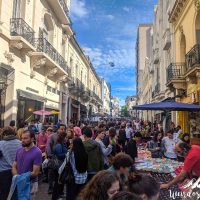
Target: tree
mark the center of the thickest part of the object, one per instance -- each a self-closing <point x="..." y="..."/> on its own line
<point x="124" y="111"/>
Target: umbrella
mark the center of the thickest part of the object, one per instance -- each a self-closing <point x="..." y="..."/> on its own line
<point x="42" y="112"/>
<point x="54" y="112"/>
<point x="168" y="106"/>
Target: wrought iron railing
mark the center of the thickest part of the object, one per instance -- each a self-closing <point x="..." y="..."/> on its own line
<point x="193" y="57"/>
<point x="175" y="71"/>
<point x="42" y="45"/>
<point x="18" y="27"/>
<point x="64" y="7"/>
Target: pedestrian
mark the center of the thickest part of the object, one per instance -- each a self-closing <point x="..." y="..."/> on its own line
<point x="186" y="138"/>
<point x="144" y="186"/>
<point x="78" y="160"/>
<point x="129" y="131"/>
<point x="60" y="152"/>
<point x="42" y="140"/>
<point x="28" y="159"/>
<point x="13" y="125"/>
<point x="131" y="148"/>
<point x="154" y="146"/>
<point x="8" y="148"/>
<point x="122" y="164"/>
<point x="103" y="186"/>
<point x="106" y="151"/>
<point x="95" y="157"/>
<point x="191" y="163"/>
<point x="168" y="146"/>
<point x="122" y="136"/>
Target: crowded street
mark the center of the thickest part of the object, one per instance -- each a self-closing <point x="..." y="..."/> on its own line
<point x="99" y="100"/>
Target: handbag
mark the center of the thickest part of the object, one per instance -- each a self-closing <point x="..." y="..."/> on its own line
<point x="67" y="175"/>
<point x="54" y="162"/>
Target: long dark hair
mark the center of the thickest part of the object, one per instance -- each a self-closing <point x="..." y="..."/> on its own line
<point x="155" y="138"/>
<point x="80" y="155"/>
<point x="98" y="186"/>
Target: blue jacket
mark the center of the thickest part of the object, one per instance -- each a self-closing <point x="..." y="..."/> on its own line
<point x="23" y="184"/>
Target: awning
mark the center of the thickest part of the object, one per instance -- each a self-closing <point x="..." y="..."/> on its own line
<point x="168" y="106"/>
<point x="31" y="96"/>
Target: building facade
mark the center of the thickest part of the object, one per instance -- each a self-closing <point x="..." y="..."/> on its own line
<point x="142" y="46"/>
<point x="40" y="60"/>
<point x="106" y="97"/>
<point x="115" y="107"/>
<point x="130" y="102"/>
<point x="183" y="74"/>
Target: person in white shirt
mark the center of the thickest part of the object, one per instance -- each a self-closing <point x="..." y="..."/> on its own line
<point x="177" y="134"/>
<point x="168" y="146"/>
<point x="129" y="131"/>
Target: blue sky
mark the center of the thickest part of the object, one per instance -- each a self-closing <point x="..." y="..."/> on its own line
<point x="107" y="30"/>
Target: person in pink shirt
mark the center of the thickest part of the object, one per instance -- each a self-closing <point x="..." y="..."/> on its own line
<point x="42" y="140"/>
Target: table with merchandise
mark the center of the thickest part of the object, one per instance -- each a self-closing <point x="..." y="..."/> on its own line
<point x="163" y="170"/>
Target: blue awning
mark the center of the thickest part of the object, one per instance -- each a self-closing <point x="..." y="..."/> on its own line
<point x="168" y="106"/>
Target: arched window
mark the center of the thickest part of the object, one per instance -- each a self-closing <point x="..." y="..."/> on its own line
<point x="182" y="48"/>
<point x="197" y="27"/>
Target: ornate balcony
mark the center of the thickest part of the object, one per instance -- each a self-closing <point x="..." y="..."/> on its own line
<point x="193" y="60"/>
<point x="61" y="10"/>
<point x="50" y="56"/>
<point x="22" y="35"/>
<point x="176" y="75"/>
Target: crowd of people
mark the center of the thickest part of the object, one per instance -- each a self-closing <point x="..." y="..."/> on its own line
<point x="89" y="161"/>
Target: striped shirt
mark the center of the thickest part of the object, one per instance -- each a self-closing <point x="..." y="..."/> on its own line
<point x="8" y="152"/>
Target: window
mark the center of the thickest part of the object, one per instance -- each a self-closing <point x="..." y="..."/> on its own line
<point x="48" y="88"/>
<point x="54" y="90"/>
<point x="58" y="92"/>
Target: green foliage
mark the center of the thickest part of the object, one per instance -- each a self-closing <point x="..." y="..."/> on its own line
<point x="124" y="111"/>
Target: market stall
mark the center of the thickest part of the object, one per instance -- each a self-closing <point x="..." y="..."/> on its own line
<point x="162" y="170"/>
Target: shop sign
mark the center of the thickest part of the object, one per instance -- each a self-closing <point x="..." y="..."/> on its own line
<point x="32" y="90"/>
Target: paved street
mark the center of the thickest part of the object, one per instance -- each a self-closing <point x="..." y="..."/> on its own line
<point x="42" y="194"/>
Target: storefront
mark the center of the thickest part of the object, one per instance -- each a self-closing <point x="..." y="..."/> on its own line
<point x="75" y="110"/>
<point x="27" y="104"/>
<point x="83" y="112"/>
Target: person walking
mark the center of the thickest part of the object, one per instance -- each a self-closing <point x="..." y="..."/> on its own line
<point x="28" y="159"/>
<point x="42" y="140"/>
<point x="8" y="148"/>
<point x="95" y="157"/>
<point x="105" y="150"/>
<point x="60" y="152"/>
<point x="78" y="159"/>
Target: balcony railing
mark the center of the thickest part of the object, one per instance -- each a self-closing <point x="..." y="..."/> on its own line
<point x="193" y="57"/>
<point x="42" y="45"/>
<point x="175" y="71"/>
<point x="64" y="7"/>
<point x="18" y="27"/>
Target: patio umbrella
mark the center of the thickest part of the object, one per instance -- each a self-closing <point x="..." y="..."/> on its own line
<point x="42" y="112"/>
<point x="168" y="106"/>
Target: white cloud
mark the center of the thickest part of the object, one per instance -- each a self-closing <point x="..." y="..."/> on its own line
<point x="110" y="17"/>
<point x="78" y="9"/>
<point x="126" y="9"/>
<point x="126" y="89"/>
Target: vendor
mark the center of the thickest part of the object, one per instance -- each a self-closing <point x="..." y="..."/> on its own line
<point x="191" y="166"/>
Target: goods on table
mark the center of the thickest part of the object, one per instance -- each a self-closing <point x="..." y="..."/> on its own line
<point x="157" y="165"/>
<point x="144" y="154"/>
<point x="166" y="194"/>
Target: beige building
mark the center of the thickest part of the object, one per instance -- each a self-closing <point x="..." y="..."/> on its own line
<point x="42" y="66"/>
<point x="142" y="46"/>
<point x="130" y="102"/>
<point x="106" y="97"/>
<point x="115" y="107"/>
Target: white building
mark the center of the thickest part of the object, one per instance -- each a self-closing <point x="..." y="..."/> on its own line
<point x="130" y="102"/>
<point x="115" y="107"/>
<point x="106" y="97"/>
